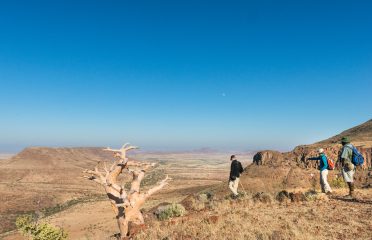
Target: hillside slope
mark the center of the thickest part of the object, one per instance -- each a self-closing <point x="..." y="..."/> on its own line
<point x="361" y="135"/>
<point x="45" y="157"/>
<point x="273" y="171"/>
<point x="39" y="178"/>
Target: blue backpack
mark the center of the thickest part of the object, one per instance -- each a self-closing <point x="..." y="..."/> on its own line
<point x="357" y="158"/>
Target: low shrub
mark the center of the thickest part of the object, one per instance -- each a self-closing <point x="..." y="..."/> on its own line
<point x="169" y="211"/>
<point x="198" y="202"/>
<point x="282" y="196"/>
<point x="206" y="196"/>
<point x="27" y="226"/>
<point x="338" y="182"/>
<point x="203" y="197"/>
<point x="311" y="195"/>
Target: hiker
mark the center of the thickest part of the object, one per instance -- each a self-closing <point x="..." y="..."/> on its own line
<point x="348" y="168"/>
<point x="323" y="167"/>
<point x="236" y="170"/>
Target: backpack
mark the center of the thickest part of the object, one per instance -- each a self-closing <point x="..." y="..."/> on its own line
<point x="331" y="164"/>
<point x="357" y="158"/>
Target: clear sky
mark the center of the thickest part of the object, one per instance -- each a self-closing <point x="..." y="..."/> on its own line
<point x="167" y="75"/>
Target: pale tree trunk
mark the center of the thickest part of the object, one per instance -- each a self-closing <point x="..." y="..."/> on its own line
<point x="123" y="224"/>
<point x="125" y="204"/>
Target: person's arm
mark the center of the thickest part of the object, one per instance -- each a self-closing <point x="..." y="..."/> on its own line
<point x="339" y="155"/>
<point x="314" y="158"/>
<point x="232" y="176"/>
<point x="240" y="168"/>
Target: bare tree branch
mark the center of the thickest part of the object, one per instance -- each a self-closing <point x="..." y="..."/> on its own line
<point x="138" y="176"/>
<point x="142" y="165"/>
<point x="105" y="167"/>
<point x="161" y="185"/>
<point x="126" y="205"/>
<point x="122" y="151"/>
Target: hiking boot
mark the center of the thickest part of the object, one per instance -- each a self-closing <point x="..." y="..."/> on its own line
<point x="349" y="197"/>
<point x="235" y="196"/>
<point x="329" y="193"/>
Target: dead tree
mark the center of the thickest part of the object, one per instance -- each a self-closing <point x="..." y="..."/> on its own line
<point x="126" y="203"/>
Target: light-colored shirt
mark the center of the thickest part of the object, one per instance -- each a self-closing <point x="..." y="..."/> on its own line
<point x="347" y="157"/>
<point x="347" y="152"/>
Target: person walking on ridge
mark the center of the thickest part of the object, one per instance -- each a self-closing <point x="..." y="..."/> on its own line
<point x="235" y="171"/>
<point x="323" y="168"/>
<point x="348" y="168"/>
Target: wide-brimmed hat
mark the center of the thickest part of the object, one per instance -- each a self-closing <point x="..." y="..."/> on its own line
<point x="320" y="150"/>
<point x="345" y="140"/>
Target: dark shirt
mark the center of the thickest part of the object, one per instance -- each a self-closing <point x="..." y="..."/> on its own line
<point x="236" y="170"/>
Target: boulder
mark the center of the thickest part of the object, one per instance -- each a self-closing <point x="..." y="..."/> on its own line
<point x="262" y="197"/>
<point x="267" y="157"/>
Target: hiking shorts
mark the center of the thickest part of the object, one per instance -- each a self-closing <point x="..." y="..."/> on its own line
<point x="348" y="175"/>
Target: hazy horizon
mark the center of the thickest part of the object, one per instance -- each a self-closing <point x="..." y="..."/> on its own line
<point x="149" y="148"/>
<point x="234" y="75"/>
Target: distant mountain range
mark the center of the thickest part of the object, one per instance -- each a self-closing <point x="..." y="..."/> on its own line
<point x="5" y="155"/>
<point x="360" y="135"/>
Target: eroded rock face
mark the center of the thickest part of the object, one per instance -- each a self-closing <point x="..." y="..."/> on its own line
<point x="367" y="152"/>
<point x="267" y="157"/>
<point x="271" y="169"/>
<point x="301" y="153"/>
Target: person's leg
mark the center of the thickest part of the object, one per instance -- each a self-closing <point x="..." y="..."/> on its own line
<point x="327" y="188"/>
<point x="236" y="185"/>
<point x="351" y="189"/>
<point x="321" y="180"/>
<point x="231" y="186"/>
<point x="351" y="183"/>
<point x="349" y="179"/>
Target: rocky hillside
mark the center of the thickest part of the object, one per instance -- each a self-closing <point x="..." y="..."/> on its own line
<point x="272" y="170"/>
<point x="361" y="135"/>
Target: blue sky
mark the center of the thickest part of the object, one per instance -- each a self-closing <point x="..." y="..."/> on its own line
<point x="175" y="75"/>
